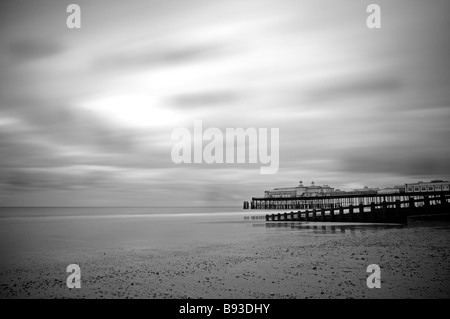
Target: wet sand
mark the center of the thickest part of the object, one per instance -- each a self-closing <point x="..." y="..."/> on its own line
<point x="330" y="263"/>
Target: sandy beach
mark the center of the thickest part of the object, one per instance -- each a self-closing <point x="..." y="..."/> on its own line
<point x="277" y="260"/>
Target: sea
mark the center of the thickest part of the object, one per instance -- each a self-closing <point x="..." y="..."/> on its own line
<point x="39" y="234"/>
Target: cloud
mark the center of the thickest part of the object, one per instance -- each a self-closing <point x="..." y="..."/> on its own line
<point x="352" y="105"/>
<point x="352" y="88"/>
<point x="205" y="99"/>
<point x="32" y="49"/>
<point x="154" y="56"/>
<point x="394" y="164"/>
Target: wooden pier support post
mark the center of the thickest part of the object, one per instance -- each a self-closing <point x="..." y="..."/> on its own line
<point x="322" y="214"/>
<point x="299" y="216"/>
<point x="403" y="213"/>
<point x="314" y="214"/>
<point x="285" y="216"/>
<point x="384" y="212"/>
<point x="398" y="211"/>
<point x="350" y="212"/>
<point x="341" y="213"/>
<point x="267" y="218"/>
<point x="398" y="207"/>
<point x="332" y="214"/>
<point x="361" y="211"/>
<point x="443" y="200"/>
<point x="306" y="215"/>
<point x="412" y="205"/>
<point x="278" y="216"/>
<point x="426" y="201"/>
<point x="372" y="211"/>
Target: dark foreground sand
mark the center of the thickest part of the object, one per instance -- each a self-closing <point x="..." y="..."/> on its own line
<point x="414" y="263"/>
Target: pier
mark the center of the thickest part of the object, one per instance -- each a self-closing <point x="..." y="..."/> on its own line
<point x="373" y="208"/>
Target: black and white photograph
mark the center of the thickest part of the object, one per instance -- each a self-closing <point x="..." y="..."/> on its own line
<point x="250" y="150"/>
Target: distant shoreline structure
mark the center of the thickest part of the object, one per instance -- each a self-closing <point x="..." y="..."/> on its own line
<point x="313" y="191"/>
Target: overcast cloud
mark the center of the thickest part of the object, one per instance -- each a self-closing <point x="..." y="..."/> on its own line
<point x="86" y="115"/>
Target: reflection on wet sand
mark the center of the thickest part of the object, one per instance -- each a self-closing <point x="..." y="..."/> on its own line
<point x="328" y="229"/>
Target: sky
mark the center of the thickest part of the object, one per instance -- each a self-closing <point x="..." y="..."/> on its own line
<point x="86" y="115"/>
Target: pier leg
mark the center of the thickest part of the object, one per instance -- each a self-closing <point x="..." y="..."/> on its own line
<point x="350" y="212"/>
<point x="314" y="215"/>
<point x="426" y="200"/>
<point x="332" y="214"/>
<point x="306" y="215"/>
<point x="398" y="207"/>
<point x="412" y="206"/>
<point x="361" y="212"/>
<point x="443" y="200"/>
<point x="372" y="211"/>
<point x="322" y="214"/>
<point x="384" y="213"/>
<point x="341" y="213"/>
